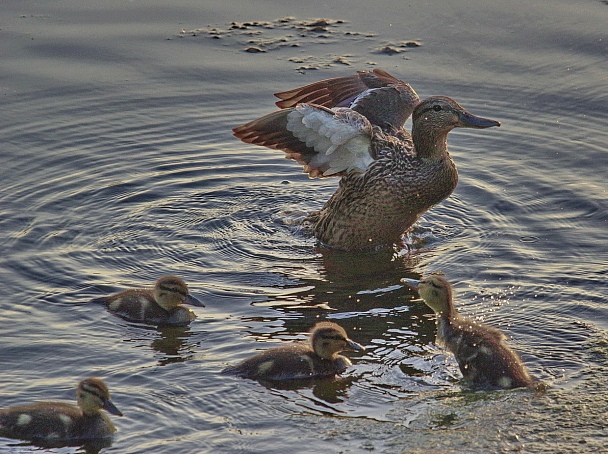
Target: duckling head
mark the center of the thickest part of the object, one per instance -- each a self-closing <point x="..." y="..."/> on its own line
<point x="328" y="339"/>
<point x="436" y="292"/>
<point x="442" y="114"/>
<point x="92" y="395"/>
<point x="171" y="291"/>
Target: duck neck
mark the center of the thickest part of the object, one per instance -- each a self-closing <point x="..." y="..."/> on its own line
<point x="89" y="410"/>
<point x="324" y="353"/>
<point x="445" y="323"/>
<point x="430" y="143"/>
<point x="167" y="307"/>
<point x="449" y="315"/>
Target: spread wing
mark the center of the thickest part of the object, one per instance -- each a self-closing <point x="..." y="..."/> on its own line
<point x="383" y="99"/>
<point x="325" y="141"/>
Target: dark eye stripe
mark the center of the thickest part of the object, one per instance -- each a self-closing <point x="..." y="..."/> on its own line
<point x="432" y="108"/>
<point x="93" y="389"/>
<point x="173" y="290"/>
<point x="334" y="337"/>
<point x="428" y="109"/>
<point x="434" y="284"/>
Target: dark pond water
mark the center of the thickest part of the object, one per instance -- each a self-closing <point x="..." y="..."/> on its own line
<point x="118" y="166"/>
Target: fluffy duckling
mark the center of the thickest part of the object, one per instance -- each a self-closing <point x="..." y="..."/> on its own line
<point x="483" y="357"/>
<point x="353" y="127"/>
<point x="158" y="306"/>
<point x="60" y="421"/>
<point x="301" y="360"/>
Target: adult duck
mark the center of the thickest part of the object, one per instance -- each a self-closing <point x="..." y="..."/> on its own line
<point x="353" y="127"/>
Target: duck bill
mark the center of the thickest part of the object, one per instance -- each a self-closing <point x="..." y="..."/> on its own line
<point x="111" y="408"/>
<point x="354" y="346"/>
<point x="193" y="301"/>
<point x="468" y="120"/>
<point x="411" y="283"/>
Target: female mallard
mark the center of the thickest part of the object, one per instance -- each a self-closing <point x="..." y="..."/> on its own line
<point x="352" y="127"/>
<point x="482" y="355"/>
<point x="158" y="306"/>
<point x="60" y="421"/>
<point x="301" y="360"/>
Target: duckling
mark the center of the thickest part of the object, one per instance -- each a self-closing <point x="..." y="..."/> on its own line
<point x="480" y="350"/>
<point x="158" y="306"/>
<point x="352" y="127"/>
<point x="301" y="360"/>
<point x="60" y="421"/>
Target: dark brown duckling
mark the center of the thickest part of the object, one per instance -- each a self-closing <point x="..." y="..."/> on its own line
<point x="60" y="421"/>
<point x="352" y="127"/>
<point x="161" y="305"/>
<point x="480" y="350"/>
<point x="301" y="360"/>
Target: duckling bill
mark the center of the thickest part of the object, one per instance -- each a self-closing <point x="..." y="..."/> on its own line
<point x="161" y="305"/>
<point x="301" y="360"/>
<point x="60" y="421"/>
<point x="480" y="350"/>
<point x="353" y="128"/>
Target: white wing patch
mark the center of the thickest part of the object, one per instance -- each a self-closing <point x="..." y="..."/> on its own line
<point x="505" y="382"/>
<point x="23" y="419"/>
<point x="65" y="419"/>
<point x="265" y="367"/>
<point x="144" y="303"/>
<point x="486" y="350"/>
<point x="341" y="137"/>
<point x="311" y="365"/>
<point x="114" y="305"/>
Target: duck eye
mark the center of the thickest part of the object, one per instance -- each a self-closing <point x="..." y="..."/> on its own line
<point x="437" y="108"/>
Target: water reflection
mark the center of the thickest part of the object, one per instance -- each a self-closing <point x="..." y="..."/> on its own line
<point x="88" y="447"/>
<point x="332" y="390"/>
<point x="174" y="345"/>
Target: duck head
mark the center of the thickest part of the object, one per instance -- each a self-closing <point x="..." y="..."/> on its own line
<point x="92" y="395"/>
<point x="171" y="291"/>
<point x="444" y="114"/>
<point x="436" y="292"/>
<point x="328" y="339"/>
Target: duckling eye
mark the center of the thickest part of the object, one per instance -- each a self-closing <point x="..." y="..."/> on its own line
<point x="437" y="108"/>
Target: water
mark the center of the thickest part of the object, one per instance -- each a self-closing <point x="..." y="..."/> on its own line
<point x="118" y="166"/>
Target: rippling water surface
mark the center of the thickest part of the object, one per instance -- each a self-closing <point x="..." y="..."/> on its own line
<point x="118" y="166"/>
